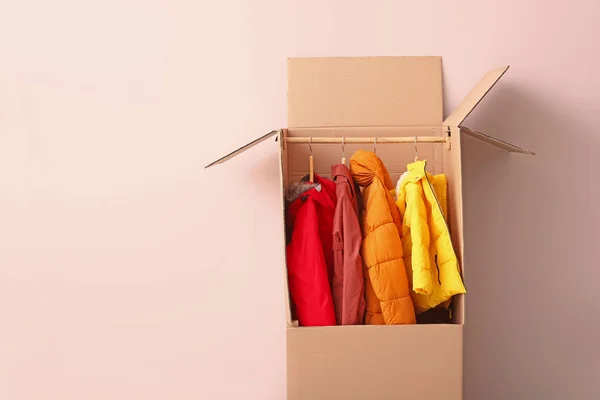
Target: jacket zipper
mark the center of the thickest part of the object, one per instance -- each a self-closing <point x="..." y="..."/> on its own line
<point x="438" y="270"/>
<point x="435" y="197"/>
<point x="443" y="216"/>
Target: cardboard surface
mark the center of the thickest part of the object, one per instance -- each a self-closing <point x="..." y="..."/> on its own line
<point x="364" y="91"/>
<point x="421" y="362"/>
<point x="453" y="170"/>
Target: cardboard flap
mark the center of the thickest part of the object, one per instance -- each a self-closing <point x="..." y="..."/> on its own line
<point x="364" y="91"/>
<point x="496" y="142"/>
<point x="243" y="148"/>
<point x="474" y="97"/>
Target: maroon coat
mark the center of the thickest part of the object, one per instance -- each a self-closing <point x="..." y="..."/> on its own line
<point x="309" y="253"/>
<point x="348" y="280"/>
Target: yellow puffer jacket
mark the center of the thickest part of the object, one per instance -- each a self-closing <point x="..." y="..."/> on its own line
<point x="386" y="284"/>
<point x="431" y="263"/>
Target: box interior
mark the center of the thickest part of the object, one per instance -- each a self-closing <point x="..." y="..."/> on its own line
<point x="370" y="361"/>
<point x="440" y="159"/>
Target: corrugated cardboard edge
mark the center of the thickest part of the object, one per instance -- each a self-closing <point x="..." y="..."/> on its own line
<point x="282" y="182"/>
<point x="244" y="148"/>
<point x="475" y="96"/>
<point x="495" y="141"/>
<point x="454" y="173"/>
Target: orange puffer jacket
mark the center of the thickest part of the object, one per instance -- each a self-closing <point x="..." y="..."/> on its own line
<point x="386" y="285"/>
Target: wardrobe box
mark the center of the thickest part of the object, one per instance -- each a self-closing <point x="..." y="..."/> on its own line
<point x="359" y="99"/>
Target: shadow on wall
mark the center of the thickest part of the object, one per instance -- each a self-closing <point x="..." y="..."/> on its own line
<point x="255" y="172"/>
<point x="528" y="236"/>
<point x="264" y="174"/>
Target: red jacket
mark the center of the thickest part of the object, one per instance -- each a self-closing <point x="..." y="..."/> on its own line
<point x="309" y="253"/>
<point x="348" y="279"/>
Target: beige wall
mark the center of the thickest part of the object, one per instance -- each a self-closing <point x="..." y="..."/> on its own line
<point x="129" y="272"/>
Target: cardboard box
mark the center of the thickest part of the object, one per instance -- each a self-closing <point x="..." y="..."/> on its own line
<point x="360" y="99"/>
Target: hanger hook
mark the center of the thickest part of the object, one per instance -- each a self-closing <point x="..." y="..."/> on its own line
<point x="374" y="144"/>
<point x="343" y="147"/>
<point x="310" y="144"/>
<point x="416" y="150"/>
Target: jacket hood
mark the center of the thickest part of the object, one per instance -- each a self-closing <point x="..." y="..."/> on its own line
<point x="365" y="166"/>
<point x="297" y="189"/>
<point x="297" y="194"/>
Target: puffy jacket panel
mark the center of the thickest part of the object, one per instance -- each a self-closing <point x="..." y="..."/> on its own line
<point x="387" y="291"/>
<point x="431" y="263"/>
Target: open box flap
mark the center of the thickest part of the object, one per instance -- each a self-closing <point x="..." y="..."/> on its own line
<point x="243" y="148"/>
<point x="474" y="97"/>
<point x="364" y="91"/>
<point x="495" y="142"/>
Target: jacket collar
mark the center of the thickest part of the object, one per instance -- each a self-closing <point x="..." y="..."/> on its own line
<point x="340" y="170"/>
<point x="340" y="173"/>
<point x="415" y="172"/>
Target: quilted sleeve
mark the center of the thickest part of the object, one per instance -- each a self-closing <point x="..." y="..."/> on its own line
<point x="382" y="254"/>
<point x="416" y="220"/>
<point x="354" y="281"/>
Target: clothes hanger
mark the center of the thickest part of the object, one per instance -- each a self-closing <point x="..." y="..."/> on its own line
<point x="311" y="162"/>
<point x="416" y="151"/>
<point x="343" y="150"/>
<point x="374" y="144"/>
